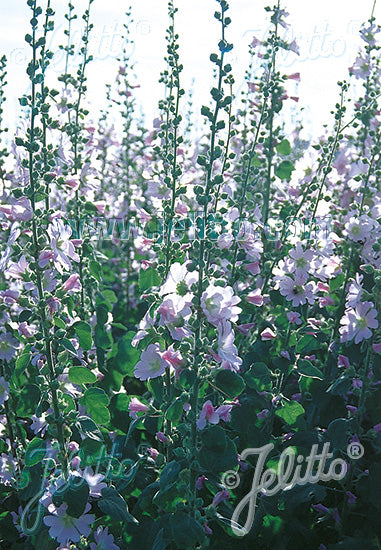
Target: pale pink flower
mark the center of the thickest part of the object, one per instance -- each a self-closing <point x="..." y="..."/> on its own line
<point x="296" y="289"/>
<point x="8" y="346"/>
<point x="61" y="245"/>
<point x="294" y="317"/>
<point x="64" y="527"/>
<point x="253" y="268"/>
<point x="219" y="304"/>
<point x="357" y="323"/>
<point x="227" y="351"/>
<point x="72" y="284"/>
<point x="268" y="334"/>
<point x="151" y="364"/>
<point x="377" y="348"/>
<point x="174" y="312"/>
<point x="136" y="406"/>
<point x="302" y="259"/>
<point x="359" y="229"/>
<point x="174" y="359"/>
<point x="245" y="328"/>
<point x="179" y="280"/>
<point x="207" y="414"/>
<point x="255" y="297"/>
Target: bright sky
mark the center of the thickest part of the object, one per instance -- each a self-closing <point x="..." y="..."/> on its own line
<point x="326" y="31"/>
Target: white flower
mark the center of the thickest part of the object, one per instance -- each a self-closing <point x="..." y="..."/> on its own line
<point x="179" y="280"/>
<point x="296" y="289"/>
<point x="219" y="303"/>
<point x="358" y="322"/>
<point x="227" y="351"/>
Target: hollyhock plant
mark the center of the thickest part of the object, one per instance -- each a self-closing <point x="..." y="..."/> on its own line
<point x="177" y="295"/>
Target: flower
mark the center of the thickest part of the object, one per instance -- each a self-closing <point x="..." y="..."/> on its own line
<point x="62" y="248"/>
<point x="357" y="322"/>
<point x="72" y="284"/>
<point x="179" y="280"/>
<point x="219" y="304"/>
<point x="64" y="527"/>
<point x="8" y="346"/>
<point x="151" y="364"/>
<point x="208" y="413"/>
<point x="4" y="390"/>
<point x="220" y="497"/>
<point x="174" y="312"/>
<point x="227" y="351"/>
<point x="294" y="317"/>
<point x="136" y="406"/>
<point x="255" y="297"/>
<point x="200" y="482"/>
<point x="296" y="289"/>
<point x="103" y="540"/>
<point x="302" y="259"/>
<point x="94" y="481"/>
<point x="162" y="437"/>
<point x="268" y="334"/>
<point x="359" y="229"/>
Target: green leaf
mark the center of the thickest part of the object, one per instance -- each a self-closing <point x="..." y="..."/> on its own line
<point x="89" y="428"/>
<point x="169" y="474"/>
<point x="186" y="531"/>
<point x="290" y="412"/>
<point x="148" y="278"/>
<point x="306" y="344"/>
<point x="22" y="362"/>
<point x="35" y="452"/>
<point x="230" y="383"/>
<point x="336" y="283"/>
<point x="259" y="377"/>
<point x="284" y="170"/>
<point x="75" y="493"/>
<point x="59" y="323"/>
<point x="284" y="147"/>
<point x="81" y="375"/>
<point x="306" y="368"/>
<point x="95" y="269"/>
<point x="25" y="315"/>
<point x="218" y="452"/>
<point x="175" y="410"/>
<point x="27" y="400"/>
<point x="113" y="504"/>
<point x="96" y="402"/>
<point x="65" y="342"/>
<point x="83" y="331"/>
<point x="336" y="433"/>
<point x="127" y="356"/>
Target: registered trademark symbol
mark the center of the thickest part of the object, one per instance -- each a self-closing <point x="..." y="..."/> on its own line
<point x="230" y="479"/>
<point x="355" y="450"/>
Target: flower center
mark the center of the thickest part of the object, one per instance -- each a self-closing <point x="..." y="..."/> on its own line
<point x="68" y="521"/>
<point x="362" y="323"/>
<point x="297" y="290"/>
